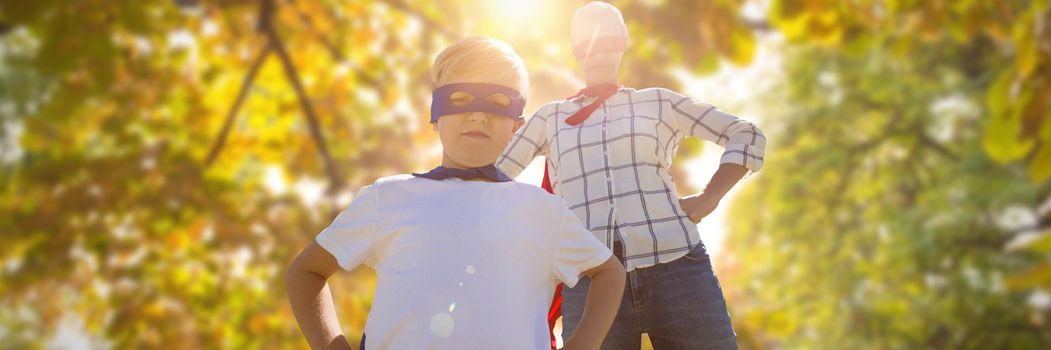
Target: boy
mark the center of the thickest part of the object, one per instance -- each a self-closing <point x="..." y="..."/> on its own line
<point x="608" y="152"/>
<point x="464" y="257"/>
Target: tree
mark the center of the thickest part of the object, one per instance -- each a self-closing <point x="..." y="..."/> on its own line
<point x="152" y="143"/>
<point x="125" y="211"/>
<point x="149" y="148"/>
<point x="887" y="222"/>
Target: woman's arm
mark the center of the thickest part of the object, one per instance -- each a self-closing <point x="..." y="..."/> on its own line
<point x="744" y="143"/>
<point x="699" y="205"/>
<point x="600" y="308"/>
<point x="527" y="143"/>
<point x="305" y="282"/>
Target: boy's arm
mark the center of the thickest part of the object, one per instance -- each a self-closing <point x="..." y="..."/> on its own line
<point x="600" y="308"/>
<point x="305" y="282"/>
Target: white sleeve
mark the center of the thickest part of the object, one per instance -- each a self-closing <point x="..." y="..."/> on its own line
<point x="351" y="235"/>
<point x="744" y="143"/>
<point x="529" y="142"/>
<point x="578" y="250"/>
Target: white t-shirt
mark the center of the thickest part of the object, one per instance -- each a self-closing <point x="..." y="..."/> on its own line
<point x="461" y="264"/>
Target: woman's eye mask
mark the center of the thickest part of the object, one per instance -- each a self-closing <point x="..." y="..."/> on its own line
<point x="604" y="44"/>
<point x="478" y="100"/>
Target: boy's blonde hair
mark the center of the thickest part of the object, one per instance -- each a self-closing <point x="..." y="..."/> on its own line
<point x="480" y="54"/>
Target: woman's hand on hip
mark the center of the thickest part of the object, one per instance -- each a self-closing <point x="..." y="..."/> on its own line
<point x="700" y="205"/>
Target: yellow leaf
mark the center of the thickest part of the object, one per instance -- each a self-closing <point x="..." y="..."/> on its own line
<point x="1040" y="167"/>
<point x="709" y="63"/>
<point x="1039" y="245"/>
<point x="1002" y="141"/>
<point x="826" y="28"/>
<point x="1025" y="43"/>
<point x="742" y="45"/>
<point x="789" y="19"/>
<point x="1026" y="55"/>
<point x="999" y="92"/>
<point x="1037" y="276"/>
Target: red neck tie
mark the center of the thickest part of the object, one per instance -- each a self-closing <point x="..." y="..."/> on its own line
<point x="601" y="92"/>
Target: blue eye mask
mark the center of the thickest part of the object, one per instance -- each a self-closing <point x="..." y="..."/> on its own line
<point x="440" y="105"/>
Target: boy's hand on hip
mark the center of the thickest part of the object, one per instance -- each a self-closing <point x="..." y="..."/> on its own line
<point x="699" y="206"/>
<point x="601" y="305"/>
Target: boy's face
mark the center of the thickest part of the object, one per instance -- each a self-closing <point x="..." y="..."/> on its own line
<point x="601" y="67"/>
<point x="474" y="139"/>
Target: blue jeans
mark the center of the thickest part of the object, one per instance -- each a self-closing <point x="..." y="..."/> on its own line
<point x="679" y="304"/>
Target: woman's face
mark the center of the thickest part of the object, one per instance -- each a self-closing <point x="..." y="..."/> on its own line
<point x="601" y="67"/>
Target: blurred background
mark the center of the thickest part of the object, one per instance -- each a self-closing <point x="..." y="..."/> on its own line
<point x="163" y="160"/>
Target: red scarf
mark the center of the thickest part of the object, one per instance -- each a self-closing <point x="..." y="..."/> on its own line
<point x="601" y="92"/>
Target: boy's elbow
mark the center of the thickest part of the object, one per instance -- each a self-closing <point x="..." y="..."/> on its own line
<point x="311" y="263"/>
<point x="295" y="272"/>
<point x="292" y="272"/>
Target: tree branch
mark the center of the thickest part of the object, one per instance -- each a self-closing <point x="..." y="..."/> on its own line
<point x="247" y="83"/>
<point x="336" y="53"/>
<point x="335" y="181"/>
<point x="1039" y="227"/>
<point x="926" y="140"/>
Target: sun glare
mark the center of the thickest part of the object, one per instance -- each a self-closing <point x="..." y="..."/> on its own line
<point x="521" y="9"/>
<point x="517" y="16"/>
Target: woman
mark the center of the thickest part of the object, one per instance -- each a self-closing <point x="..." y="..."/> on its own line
<point x="608" y="152"/>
